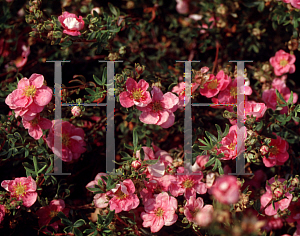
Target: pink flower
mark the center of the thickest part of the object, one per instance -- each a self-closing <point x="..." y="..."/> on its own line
<point x="229" y="95"/>
<point x="196" y="213"/>
<point x="94" y="182"/>
<point x="35" y="127"/>
<point x="295" y="213"/>
<point x="278" y="153"/>
<point x="124" y="198"/>
<point x="187" y="184"/>
<point x="21" y="188"/>
<point x="283" y="62"/>
<point x="23" y="53"/>
<point x="215" y="84"/>
<point x="71" y="23"/>
<point x="100" y="199"/>
<point x="160" y="110"/>
<point x="229" y="143"/>
<point x="72" y="140"/>
<point x="200" y="163"/>
<point x="159" y="211"/>
<point x="180" y="90"/>
<point x="296" y="4"/>
<point x="226" y="189"/>
<point x="136" y="94"/>
<point x="270" y="97"/>
<point x="46" y="213"/>
<point x="205" y="216"/>
<point x="182" y="6"/>
<point x="272" y="193"/>
<point x="2" y="212"/>
<point x="249" y="108"/>
<point x="30" y="97"/>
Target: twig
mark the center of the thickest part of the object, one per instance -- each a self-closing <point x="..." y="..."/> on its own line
<point x="216" y="58"/>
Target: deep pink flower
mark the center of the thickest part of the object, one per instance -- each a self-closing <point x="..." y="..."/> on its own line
<point x="71" y="23"/>
<point x="271" y="194"/>
<point x="160" y="110"/>
<point x="296" y="4"/>
<point x="226" y="189"/>
<point x="180" y="90"/>
<point x="36" y="126"/>
<point x="187" y="184"/>
<point x="252" y="108"/>
<point x="229" y="143"/>
<point x="2" y="213"/>
<point x="270" y="97"/>
<point x="136" y="94"/>
<point x="72" y="140"/>
<point x="124" y="198"/>
<point x="46" y="213"/>
<point x="278" y="153"/>
<point x="21" y="188"/>
<point x="283" y="62"/>
<point x="30" y="97"/>
<point x="159" y="211"/>
<point x="229" y="95"/>
<point x="200" y="163"/>
<point x="215" y="84"/>
<point x="295" y="213"/>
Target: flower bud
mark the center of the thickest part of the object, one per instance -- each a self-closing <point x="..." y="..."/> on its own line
<point x="96" y="9"/>
<point x="181" y="210"/>
<point x="122" y="50"/>
<point x="136" y="164"/>
<point x="264" y="149"/>
<point x="76" y="111"/>
<point x="278" y="192"/>
<point x="139" y="69"/>
<point x="295" y="182"/>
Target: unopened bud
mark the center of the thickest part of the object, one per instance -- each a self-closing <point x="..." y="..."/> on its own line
<point x="96" y="9"/>
<point x="139" y="69"/>
<point x="264" y="149"/>
<point x="136" y="164"/>
<point x="278" y="192"/>
<point x="76" y="111"/>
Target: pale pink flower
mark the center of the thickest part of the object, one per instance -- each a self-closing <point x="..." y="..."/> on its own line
<point x="72" y="140"/>
<point x="136" y="94"/>
<point x="159" y="211"/>
<point x="296" y="4"/>
<point x="272" y="191"/>
<point x="71" y="23"/>
<point x="76" y="111"/>
<point x="160" y="110"/>
<point x="94" y="182"/>
<point x="226" y="189"/>
<point x="2" y="213"/>
<point x="283" y="62"/>
<point x="205" y="216"/>
<point x="124" y="198"/>
<point x="100" y="199"/>
<point x="229" y="142"/>
<point x="36" y="126"/>
<point x="187" y="184"/>
<point x="215" y="84"/>
<point x="23" y="53"/>
<point x="278" y="153"/>
<point x="182" y="6"/>
<point x="30" y="97"/>
<point x="46" y="213"/>
<point x="21" y="188"/>
<point x="196" y="213"/>
<point x="180" y="90"/>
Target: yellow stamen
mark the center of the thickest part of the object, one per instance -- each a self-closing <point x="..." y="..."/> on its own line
<point x="20" y="189"/>
<point x="65" y="140"/>
<point x="159" y="212"/>
<point x="120" y="194"/>
<point x="53" y="214"/>
<point x="213" y="84"/>
<point x="188" y="183"/>
<point x="29" y="91"/>
<point x="233" y="92"/>
<point x="274" y="150"/>
<point x="283" y="62"/>
<point x="156" y="106"/>
<point x="137" y="94"/>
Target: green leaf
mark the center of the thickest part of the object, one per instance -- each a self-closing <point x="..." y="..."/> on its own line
<point x="77" y="232"/>
<point x="104" y="75"/>
<point x="109" y="217"/>
<point x="66" y="222"/>
<point x="290" y="101"/>
<point x="90" y="91"/>
<point x="142" y="154"/>
<point x="128" y="146"/>
<point x="281" y="98"/>
<point x="112" y="9"/>
<point x="99" y="219"/>
<point x="261" y="6"/>
<point x="79" y="223"/>
<point x="211" y="137"/>
<point x="135" y="139"/>
<point x="151" y="162"/>
<point x="210" y="162"/>
<point x="97" y="80"/>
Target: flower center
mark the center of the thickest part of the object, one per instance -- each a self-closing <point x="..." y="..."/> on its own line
<point x="283" y="62"/>
<point x="71" y="22"/>
<point x="213" y="84"/>
<point x="233" y="92"/>
<point x="20" y="189"/>
<point x="232" y="146"/>
<point x="120" y="194"/>
<point x="34" y="122"/>
<point x="188" y="183"/>
<point x="156" y="106"/>
<point x="65" y="140"/>
<point x="53" y="214"/>
<point x="29" y="91"/>
<point x="274" y="150"/>
<point x="136" y="94"/>
<point x="159" y="212"/>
